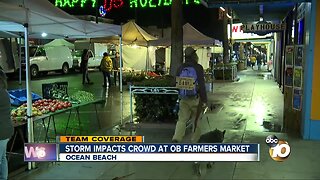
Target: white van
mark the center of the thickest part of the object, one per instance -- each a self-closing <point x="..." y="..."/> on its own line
<point x="49" y="58"/>
<point x="96" y="50"/>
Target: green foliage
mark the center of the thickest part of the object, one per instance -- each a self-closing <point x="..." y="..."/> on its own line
<point x="161" y="81"/>
<point x="132" y="77"/>
<point x="155" y="108"/>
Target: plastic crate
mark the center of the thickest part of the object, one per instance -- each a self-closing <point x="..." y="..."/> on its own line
<point x="19" y="96"/>
<point x="48" y="88"/>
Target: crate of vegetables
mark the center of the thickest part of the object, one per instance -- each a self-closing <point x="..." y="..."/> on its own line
<point x="57" y="90"/>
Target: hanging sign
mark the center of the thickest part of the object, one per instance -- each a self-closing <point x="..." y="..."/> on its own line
<point x="289" y="76"/>
<point x="263" y="27"/>
<point x="297" y="99"/>
<point x="289" y="55"/>
<point x="298" y="78"/>
<point x="298" y="61"/>
<point x="73" y="3"/>
<point x="107" y="6"/>
<point x="185" y="83"/>
<point x="289" y="66"/>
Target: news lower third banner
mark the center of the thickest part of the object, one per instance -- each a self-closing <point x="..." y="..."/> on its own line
<point x="133" y="151"/>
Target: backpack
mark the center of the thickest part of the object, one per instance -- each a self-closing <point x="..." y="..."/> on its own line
<point x="191" y="74"/>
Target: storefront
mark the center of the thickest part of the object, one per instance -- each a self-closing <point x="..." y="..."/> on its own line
<point x="296" y="62"/>
<point x="247" y="44"/>
<point x="299" y="65"/>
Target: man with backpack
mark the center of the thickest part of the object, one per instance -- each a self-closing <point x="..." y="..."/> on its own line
<point x="192" y="94"/>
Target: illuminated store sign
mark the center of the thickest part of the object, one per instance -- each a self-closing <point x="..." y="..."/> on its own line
<point x="158" y="3"/>
<point x="72" y="3"/>
<point x="269" y="27"/>
<point x="107" y="6"/>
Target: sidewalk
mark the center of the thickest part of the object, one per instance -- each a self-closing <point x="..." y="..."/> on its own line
<point x="241" y="109"/>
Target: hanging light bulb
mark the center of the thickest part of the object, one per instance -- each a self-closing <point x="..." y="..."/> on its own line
<point x="44" y="34"/>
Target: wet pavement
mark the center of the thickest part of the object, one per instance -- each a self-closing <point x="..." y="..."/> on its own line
<point x="248" y="110"/>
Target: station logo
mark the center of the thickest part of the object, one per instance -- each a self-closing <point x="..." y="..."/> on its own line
<point x="279" y="150"/>
<point x="39" y="152"/>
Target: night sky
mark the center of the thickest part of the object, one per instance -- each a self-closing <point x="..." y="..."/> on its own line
<point x="202" y="18"/>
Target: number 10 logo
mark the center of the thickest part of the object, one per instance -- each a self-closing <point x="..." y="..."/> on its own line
<point x="279" y="149"/>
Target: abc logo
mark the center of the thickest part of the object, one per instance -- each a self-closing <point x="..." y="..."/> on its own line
<point x="279" y="149"/>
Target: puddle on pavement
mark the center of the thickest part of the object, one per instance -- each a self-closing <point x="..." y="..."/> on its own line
<point x="272" y="127"/>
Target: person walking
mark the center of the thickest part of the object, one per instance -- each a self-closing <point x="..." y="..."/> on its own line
<point x="106" y="68"/>
<point x="190" y="100"/>
<point x="84" y="66"/>
<point x="253" y="61"/>
<point x="6" y="126"/>
<point x="259" y="61"/>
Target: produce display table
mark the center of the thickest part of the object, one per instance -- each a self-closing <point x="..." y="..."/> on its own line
<point x="19" y="125"/>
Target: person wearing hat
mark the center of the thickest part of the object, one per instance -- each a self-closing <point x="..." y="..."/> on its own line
<point x="6" y="126"/>
<point x="189" y="104"/>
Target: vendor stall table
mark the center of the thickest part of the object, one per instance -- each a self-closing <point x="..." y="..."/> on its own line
<point x="20" y="125"/>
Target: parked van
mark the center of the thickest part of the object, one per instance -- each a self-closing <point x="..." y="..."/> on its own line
<point x="96" y="51"/>
<point x="49" y="58"/>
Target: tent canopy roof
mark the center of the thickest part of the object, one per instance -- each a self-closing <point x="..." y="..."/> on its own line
<point x="191" y="36"/>
<point x="131" y="34"/>
<point x="44" y="17"/>
<point x="60" y="42"/>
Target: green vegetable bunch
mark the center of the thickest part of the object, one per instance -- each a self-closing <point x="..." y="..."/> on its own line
<point x="82" y="96"/>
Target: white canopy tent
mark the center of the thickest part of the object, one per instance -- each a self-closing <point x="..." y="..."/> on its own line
<point x="131" y="34"/>
<point x="191" y="36"/>
<point x="135" y="42"/>
<point x="44" y="17"/>
<point x="34" y="17"/>
<point x="60" y="42"/>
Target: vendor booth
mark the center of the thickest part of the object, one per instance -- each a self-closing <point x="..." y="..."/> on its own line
<point x="191" y="37"/>
<point x="136" y="54"/>
<point x="41" y="19"/>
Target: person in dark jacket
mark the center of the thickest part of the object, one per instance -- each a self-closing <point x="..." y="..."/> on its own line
<point x="259" y="61"/>
<point x="188" y="106"/>
<point x="84" y="66"/>
<point x="6" y="126"/>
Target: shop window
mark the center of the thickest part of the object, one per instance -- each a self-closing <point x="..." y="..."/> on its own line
<point x="301" y="31"/>
<point x="40" y="52"/>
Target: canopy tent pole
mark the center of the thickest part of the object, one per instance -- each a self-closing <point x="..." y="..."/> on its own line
<point x="147" y="60"/>
<point x="29" y="97"/>
<point x="20" y="60"/>
<point x="121" y="93"/>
